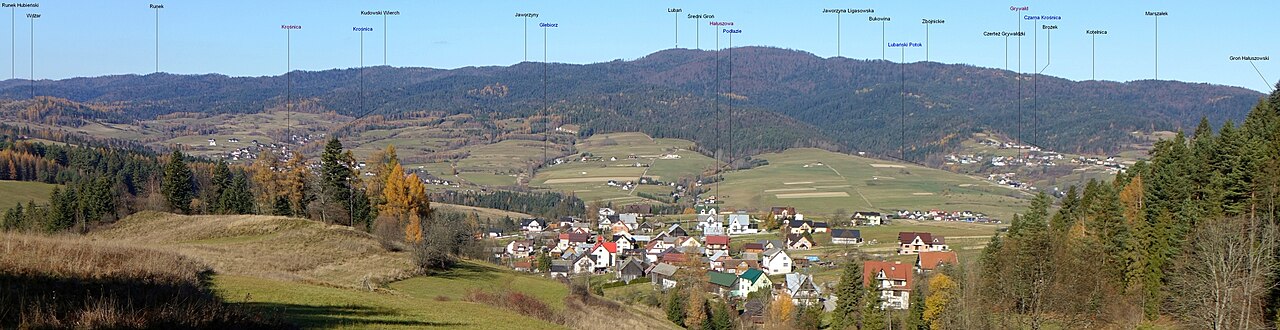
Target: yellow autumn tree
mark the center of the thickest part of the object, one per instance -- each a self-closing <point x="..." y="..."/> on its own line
<point x="267" y="178"/>
<point x="1131" y="197"/>
<point x="382" y="163"/>
<point x="413" y="230"/>
<point x="942" y="291"/>
<point x="296" y="182"/>
<point x="695" y="313"/>
<point x="472" y="221"/>
<point x="781" y="310"/>
<point x="404" y="195"/>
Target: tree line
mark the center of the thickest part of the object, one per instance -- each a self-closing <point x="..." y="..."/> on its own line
<point x="544" y="204"/>
<point x="100" y="184"/>
<point x="1190" y="235"/>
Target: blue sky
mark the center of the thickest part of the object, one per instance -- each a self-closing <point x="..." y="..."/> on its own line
<point x="244" y="38"/>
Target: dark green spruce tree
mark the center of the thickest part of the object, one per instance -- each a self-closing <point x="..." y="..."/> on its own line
<point x="177" y="184"/>
<point x="12" y="218"/>
<point x="97" y="199"/>
<point x="849" y="294"/>
<point x="335" y="183"/>
<point x="281" y="206"/>
<point x="62" y="210"/>
<point x="362" y="210"/>
<point x="674" y="307"/>
<point x="915" y="313"/>
<point x="218" y="187"/>
<point x="236" y="197"/>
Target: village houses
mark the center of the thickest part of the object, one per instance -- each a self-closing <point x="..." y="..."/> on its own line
<point x="914" y="243"/>
<point x="891" y="280"/>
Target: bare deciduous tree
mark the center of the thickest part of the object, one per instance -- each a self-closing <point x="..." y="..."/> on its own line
<point x="1223" y="278"/>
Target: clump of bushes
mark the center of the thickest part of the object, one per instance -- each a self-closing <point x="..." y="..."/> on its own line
<point x="518" y="302"/>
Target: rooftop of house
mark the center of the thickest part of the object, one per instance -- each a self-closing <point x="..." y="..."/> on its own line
<point x="846" y="233"/>
<point x="664" y="269"/>
<point x="752" y="274"/>
<point x="608" y="246"/>
<point x="907" y="237"/>
<point x="722" y="279"/>
<point x="930" y="260"/>
<point x="892" y="270"/>
<point x="794" y="238"/>
<point x="799" y="223"/>
<point x="795" y="282"/>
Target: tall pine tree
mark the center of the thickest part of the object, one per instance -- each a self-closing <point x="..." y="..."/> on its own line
<point x="177" y="185"/>
<point x="849" y="294"/>
<point x="236" y="198"/>
<point x="219" y="182"/>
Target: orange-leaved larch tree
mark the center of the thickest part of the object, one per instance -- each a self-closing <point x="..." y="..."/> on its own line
<point x="781" y="310"/>
<point x="406" y="200"/>
<point x="413" y="230"/>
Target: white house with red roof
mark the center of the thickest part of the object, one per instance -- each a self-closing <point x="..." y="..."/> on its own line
<point x="569" y="240"/>
<point x="891" y="279"/>
<point x="605" y="255"/>
<point x="716" y="243"/>
<point x="929" y="261"/>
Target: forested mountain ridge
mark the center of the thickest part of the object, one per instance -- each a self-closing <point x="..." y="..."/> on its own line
<point x="781" y="98"/>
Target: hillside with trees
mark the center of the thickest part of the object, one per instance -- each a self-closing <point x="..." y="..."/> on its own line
<point x="778" y="99"/>
<point x="1187" y="238"/>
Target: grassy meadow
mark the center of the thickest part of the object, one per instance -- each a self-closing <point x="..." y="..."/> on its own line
<point x="14" y="192"/>
<point x="587" y="180"/>
<point x="818" y="182"/>
<point x="324" y="276"/>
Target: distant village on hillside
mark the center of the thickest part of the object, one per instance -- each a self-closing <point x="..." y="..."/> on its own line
<point x="739" y="252"/>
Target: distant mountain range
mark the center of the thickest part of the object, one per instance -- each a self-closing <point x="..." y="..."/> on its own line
<point x="780" y="99"/>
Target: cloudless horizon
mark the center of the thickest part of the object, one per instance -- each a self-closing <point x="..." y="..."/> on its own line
<point x="83" y="38"/>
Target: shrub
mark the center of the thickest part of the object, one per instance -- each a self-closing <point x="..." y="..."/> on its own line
<point x="517" y="302"/>
<point x="390" y="233"/>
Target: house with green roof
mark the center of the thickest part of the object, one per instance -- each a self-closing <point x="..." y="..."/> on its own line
<point x="723" y="284"/>
<point x="704" y="209"/>
<point x="752" y="280"/>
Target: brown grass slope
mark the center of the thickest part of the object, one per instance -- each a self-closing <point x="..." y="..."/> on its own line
<point x="69" y="282"/>
<point x="585" y="312"/>
<point x="297" y="250"/>
<point x="269" y="247"/>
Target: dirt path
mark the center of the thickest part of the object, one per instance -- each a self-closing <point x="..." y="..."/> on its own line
<point x="855" y="190"/>
<point x="632" y="192"/>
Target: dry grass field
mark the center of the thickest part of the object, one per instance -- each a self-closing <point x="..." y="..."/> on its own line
<point x="319" y="276"/>
<point x="268" y="247"/>
<point x="71" y="282"/>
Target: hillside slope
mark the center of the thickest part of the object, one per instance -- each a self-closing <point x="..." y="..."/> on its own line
<point x="823" y="182"/>
<point x="314" y="275"/>
<point x="780" y="99"/>
<point x="269" y="247"/>
<point x="817" y="181"/>
<point x="64" y="282"/>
